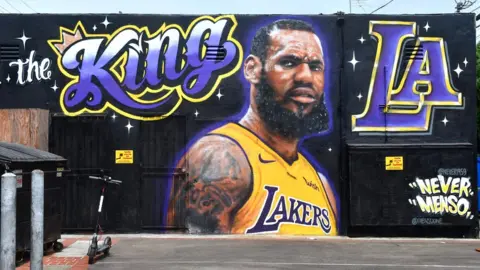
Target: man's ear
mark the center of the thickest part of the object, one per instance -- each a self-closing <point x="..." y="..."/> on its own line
<point x="252" y="69"/>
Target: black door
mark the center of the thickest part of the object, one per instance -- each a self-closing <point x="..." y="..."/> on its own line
<point x="86" y="143"/>
<point x="160" y="143"/>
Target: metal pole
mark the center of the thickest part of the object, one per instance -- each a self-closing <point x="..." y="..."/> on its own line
<point x="36" y="256"/>
<point x="9" y="221"/>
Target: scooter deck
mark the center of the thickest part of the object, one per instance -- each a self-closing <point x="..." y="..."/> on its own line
<point x="101" y="248"/>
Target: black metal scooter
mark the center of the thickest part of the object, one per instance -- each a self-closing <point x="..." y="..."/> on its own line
<point x="94" y="247"/>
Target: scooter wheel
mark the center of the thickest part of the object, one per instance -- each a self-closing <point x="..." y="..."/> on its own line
<point x="57" y="246"/>
<point x="107" y="242"/>
<point x="91" y="255"/>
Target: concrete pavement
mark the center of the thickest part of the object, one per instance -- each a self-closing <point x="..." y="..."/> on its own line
<point x="273" y="252"/>
<point x="73" y="256"/>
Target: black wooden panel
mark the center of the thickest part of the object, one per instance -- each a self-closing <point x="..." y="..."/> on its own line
<point x="85" y="143"/>
<point x="154" y="192"/>
<point x="161" y="141"/>
<point x="381" y="197"/>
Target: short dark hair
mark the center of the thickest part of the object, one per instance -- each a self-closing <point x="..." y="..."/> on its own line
<point x="261" y="40"/>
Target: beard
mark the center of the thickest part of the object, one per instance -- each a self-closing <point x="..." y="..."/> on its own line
<point x="282" y="121"/>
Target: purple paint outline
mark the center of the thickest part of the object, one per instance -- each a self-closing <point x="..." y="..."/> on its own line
<point x="246" y="44"/>
<point x="322" y="170"/>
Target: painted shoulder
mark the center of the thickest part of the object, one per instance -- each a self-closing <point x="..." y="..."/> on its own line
<point x="328" y="191"/>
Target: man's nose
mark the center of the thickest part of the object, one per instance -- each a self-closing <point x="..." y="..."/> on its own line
<point x="303" y="73"/>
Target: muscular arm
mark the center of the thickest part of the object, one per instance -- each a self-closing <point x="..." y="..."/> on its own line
<point x="219" y="182"/>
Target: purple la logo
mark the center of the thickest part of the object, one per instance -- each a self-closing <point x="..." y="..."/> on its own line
<point x="424" y="85"/>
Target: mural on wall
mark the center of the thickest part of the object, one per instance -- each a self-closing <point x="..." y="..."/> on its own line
<point x="250" y="173"/>
<point x="176" y="65"/>
<point x="248" y="176"/>
<point x="418" y="104"/>
<point x="270" y="102"/>
<point x="411" y="77"/>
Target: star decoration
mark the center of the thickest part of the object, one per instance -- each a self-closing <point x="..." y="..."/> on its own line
<point x="361" y="39"/>
<point x="54" y="87"/>
<point x="445" y="120"/>
<point x="129" y="126"/>
<point x="353" y="61"/>
<point x="219" y="95"/>
<point x="106" y="22"/>
<point x="196" y="113"/>
<point x="458" y="70"/>
<point x="359" y="96"/>
<point x="465" y="62"/>
<point x="23" y="38"/>
<point x="8" y="78"/>
<point x="114" y="116"/>
<point x="94" y="27"/>
<point x="426" y="27"/>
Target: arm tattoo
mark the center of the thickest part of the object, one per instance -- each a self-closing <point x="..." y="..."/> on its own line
<point x="219" y="182"/>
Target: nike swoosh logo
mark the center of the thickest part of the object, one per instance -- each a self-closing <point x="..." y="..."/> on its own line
<point x="263" y="160"/>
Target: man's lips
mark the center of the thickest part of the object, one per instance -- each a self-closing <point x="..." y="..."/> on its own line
<point x="303" y="95"/>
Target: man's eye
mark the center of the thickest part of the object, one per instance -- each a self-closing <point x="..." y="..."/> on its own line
<point x="287" y="63"/>
<point x="316" y="67"/>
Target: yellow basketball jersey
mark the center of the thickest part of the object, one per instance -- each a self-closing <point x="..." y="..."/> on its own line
<point x="286" y="198"/>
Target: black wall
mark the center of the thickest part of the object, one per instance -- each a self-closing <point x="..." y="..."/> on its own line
<point x="367" y="194"/>
<point x="430" y="147"/>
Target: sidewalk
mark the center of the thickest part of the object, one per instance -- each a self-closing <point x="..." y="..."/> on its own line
<point x="148" y="250"/>
<point x="73" y="256"/>
<point x="264" y="252"/>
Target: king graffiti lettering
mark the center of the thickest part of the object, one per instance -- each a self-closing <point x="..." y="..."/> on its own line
<point x="299" y="212"/>
<point x="133" y="70"/>
<point x="425" y="83"/>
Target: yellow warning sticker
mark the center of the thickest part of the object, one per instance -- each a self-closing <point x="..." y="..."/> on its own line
<point x="124" y="156"/>
<point x="394" y="163"/>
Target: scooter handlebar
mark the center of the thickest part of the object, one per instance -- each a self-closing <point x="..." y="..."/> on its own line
<point x="107" y="179"/>
<point x="115" y="181"/>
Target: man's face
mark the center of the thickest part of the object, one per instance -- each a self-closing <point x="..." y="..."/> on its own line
<point x="290" y="94"/>
<point x="294" y="68"/>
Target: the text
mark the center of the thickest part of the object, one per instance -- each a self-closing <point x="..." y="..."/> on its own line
<point x="29" y="69"/>
<point x="133" y="70"/>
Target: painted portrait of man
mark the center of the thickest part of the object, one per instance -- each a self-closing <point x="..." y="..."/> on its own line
<point x="249" y="176"/>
